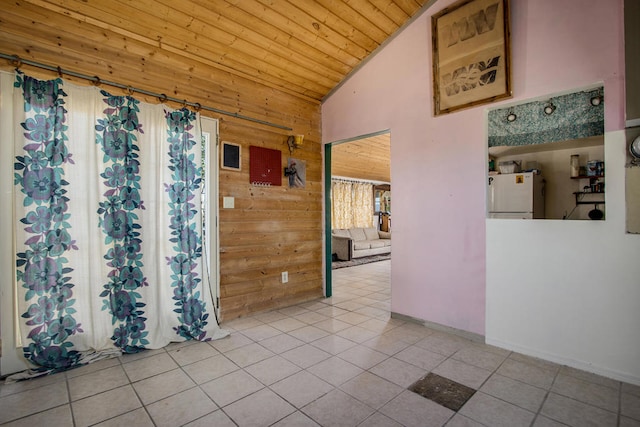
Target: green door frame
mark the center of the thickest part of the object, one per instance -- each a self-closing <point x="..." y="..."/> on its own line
<point x="328" y="290"/>
<point x="327" y="207"/>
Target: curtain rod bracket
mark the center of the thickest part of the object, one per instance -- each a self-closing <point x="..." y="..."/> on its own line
<point x="16" y="62"/>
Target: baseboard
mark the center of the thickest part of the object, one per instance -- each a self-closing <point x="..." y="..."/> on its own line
<point x="561" y="360"/>
<point x="438" y="327"/>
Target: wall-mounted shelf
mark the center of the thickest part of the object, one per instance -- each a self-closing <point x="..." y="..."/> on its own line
<point x="581" y="194"/>
<point x="587" y="177"/>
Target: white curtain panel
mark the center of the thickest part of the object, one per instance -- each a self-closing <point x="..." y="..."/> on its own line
<point x="108" y="237"/>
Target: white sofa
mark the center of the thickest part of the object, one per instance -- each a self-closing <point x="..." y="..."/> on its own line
<point x="348" y="243"/>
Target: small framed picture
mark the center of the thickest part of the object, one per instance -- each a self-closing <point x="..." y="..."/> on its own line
<point x="230" y="156"/>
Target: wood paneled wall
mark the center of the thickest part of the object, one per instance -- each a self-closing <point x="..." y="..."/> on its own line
<point x="271" y="229"/>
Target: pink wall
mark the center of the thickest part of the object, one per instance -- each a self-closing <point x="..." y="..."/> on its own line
<point x="438" y="165"/>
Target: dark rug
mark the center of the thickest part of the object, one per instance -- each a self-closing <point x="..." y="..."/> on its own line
<point x="359" y="261"/>
<point x="443" y="391"/>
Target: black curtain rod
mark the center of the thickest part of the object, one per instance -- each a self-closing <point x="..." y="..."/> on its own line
<point x="17" y="61"/>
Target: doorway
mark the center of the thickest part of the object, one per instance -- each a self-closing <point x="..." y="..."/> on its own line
<point x="364" y="159"/>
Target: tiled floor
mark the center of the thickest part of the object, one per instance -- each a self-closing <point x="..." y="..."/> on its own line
<point x="334" y="362"/>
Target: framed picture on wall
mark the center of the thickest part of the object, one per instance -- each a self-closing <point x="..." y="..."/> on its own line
<point x="231" y="156"/>
<point x="471" y="54"/>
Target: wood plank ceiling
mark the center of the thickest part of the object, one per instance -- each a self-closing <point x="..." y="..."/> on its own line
<point x="366" y="159"/>
<point x="303" y="47"/>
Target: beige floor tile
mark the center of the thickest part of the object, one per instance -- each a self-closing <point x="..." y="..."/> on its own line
<point x="293" y="310"/>
<point x="262" y="408"/>
<point x="297" y="419"/>
<point x="241" y="323"/>
<point x="380" y="326"/>
<point x="231" y="387"/>
<point x="362" y="356"/>
<point x="308" y="333"/>
<point x="462" y="373"/>
<point x="132" y="357"/>
<point x="306" y="355"/>
<point x="398" y="372"/>
<point x="181" y="408"/>
<point x="495" y="412"/>
<point x="630" y="406"/>
<point x="379" y="420"/>
<point x="387" y="344"/>
<point x="193" y="353"/>
<point x="357" y="334"/>
<point x="270" y="316"/>
<point x="587" y="392"/>
<point x="335" y="371"/>
<point x="446" y="345"/>
<point x="56" y="417"/>
<point x="93" y="367"/>
<point x="20" y="386"/>
<point x="311" y="318"/>
<point x="288" y="324"/>
<point x="149" y="366"/>
<point x="104" y="406"/>
<point x="272" y="370"/>
<point x="313" y="305"/>
<point x="210" y="369"/>
<point x="248" y="355"/>
<point x="136" y="418"/>
<point x="332" y="325"/>
<point x="281" y="343"/>
<point x="462" y="421"/>
<point x="334" y="344"/>
<point x="21" y="404"/>
<point x="230" y="343"/>
<point x="542" y="421"/>
<point x="631" y="389"/>
<point x="629" y="422"/>
<point x="337" y="408"/>
<point x="331" y="311"/>
<point x="535" y="375"/>
<point x="163" y="385"/>
<point x="261" y="332"/>
<point x="590" y="377"/>
<point x="520" y="394"/>
<point x="410" y="409"/>
<point x="214" y="419"/>
<point x="97" y="382"/>
<point x="352" y="318"/>
<point x="424" y="359"/>
<point x="576" y="414"/>
<point x="371" y="390"/>
<point x="473" y="355"/>
<point x="301" y="388"/>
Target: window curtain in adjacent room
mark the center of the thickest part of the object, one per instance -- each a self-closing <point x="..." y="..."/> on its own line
<point x="351" y="204"/>
<point x="107" y="224"/>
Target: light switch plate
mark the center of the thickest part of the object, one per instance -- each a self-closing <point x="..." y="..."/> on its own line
<point x="228" y="202"/>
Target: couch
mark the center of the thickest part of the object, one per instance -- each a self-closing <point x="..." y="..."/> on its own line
<point x="349" y="243"/>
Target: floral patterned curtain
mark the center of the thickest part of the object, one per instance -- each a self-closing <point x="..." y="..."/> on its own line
<point x="109" y="242"/>
<point x="351" y="204"/>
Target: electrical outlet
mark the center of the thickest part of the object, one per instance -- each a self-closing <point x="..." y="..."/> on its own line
<point x="285" y="276"/>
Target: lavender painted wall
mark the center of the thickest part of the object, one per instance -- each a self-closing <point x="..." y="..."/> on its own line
<point x="438" y="165"/>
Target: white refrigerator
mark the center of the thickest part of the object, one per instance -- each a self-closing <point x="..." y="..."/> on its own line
<point x="516" y="195"/>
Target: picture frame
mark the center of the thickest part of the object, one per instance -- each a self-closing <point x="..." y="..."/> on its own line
<point x="230" y="156"/>
<point x="471" y="54"/>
